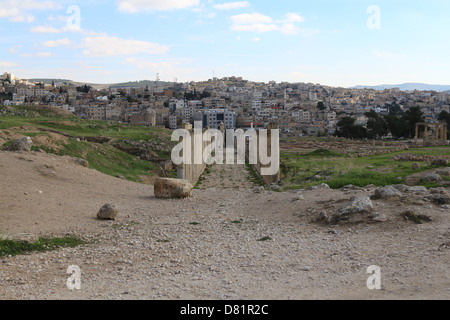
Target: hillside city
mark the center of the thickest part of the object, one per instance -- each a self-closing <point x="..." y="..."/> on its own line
<point x="301" y="109"/>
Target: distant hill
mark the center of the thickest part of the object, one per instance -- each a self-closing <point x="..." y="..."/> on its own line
<point x="138" y="84"/>
<point x="131" y="84"/>
<point x="408" y="87"/>
<point x="49" y="81"/>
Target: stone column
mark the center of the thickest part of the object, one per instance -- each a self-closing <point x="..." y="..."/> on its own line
<point x="416" y="138"/>
<point x="426" y="134"/>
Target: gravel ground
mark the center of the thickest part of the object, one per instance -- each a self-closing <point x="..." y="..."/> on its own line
<point x="210" y="246"/>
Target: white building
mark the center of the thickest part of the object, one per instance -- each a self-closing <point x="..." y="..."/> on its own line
<point x="214" y="117"/>
<point x="312" y="96"/>
<point x="173" y="122"/>
<point x="256" y="104"/>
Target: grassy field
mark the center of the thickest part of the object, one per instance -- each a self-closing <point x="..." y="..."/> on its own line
<point x="338" y="170"/>
<point x="102" y="157"/>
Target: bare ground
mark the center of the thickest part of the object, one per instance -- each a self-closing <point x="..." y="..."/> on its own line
<point x="207" y="247"/>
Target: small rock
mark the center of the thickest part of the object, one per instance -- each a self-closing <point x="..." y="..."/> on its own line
<point x="415" y="166"/>
<point x="417" y="189"/>
<point x="320" y="186"/>
<point x="378" y="217"/>
<point x="444" y="172"/>
<point x="439" y="162"/>
<point x="400" y="187"/>
<point x="275" y="187"/>
<point x="432" y="177"/>
<point x="108" y="212"/>
<point x="387" y="192"/>
<point x="358" y="205"/>
<point x="439" y="199"/>
<point x="23" y="144"/>
<point x="259" y="190"/>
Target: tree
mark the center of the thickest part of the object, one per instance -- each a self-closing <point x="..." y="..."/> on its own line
<point x="394" y="109"/>
<point x="411" y="117"/>
<point x="84" y="89"/>
<point x="396" y="126"/>
<point x="321" y="106"/>
<point x="377" y="126"/>
<point x="347" y="128"/>
<point x="444" y="116"/>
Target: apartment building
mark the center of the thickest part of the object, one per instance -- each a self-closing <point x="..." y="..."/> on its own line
<point x="214" y="117"/>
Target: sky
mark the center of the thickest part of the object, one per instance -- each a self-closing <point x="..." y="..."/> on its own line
<point x="338" y="43"/>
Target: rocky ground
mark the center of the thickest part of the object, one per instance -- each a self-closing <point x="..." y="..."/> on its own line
<point x="226" y="242"/>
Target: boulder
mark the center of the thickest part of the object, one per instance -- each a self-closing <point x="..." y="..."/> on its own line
<point x="401" y="187"/>
<point x="378" y="217"/>
<point x="259" y="190"/>
<point x="275" y="187"/>
<point x="23" y="144"/>
<point x="167" y="188"/>
<point x="417" y="189"/>
<point x="415" y="166"/>
<point x="439" y="162"/>
<point x="432" y="177"/>
<point x="440" y="199"/>
<point x="108" y="212"/>
<point x="387" y="192"/>
<point x="357" y="205"/>
<point x="320" y="186"/>
<point x="78" y="161"/>
<point x="444" y="172"/>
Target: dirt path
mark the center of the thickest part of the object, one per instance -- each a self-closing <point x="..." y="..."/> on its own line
<point x="227" y="177"/>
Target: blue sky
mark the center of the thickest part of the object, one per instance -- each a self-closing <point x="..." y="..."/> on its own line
<point x="332" y="42"/>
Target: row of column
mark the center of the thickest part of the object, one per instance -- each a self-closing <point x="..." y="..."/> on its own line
<point x="440" y="131"/>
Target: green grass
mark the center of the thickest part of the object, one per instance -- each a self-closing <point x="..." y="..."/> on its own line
<point x="255" y="178"/>
<point x="13" y="247"/>
<point x="378" y="170"/>
<point x="107" y="159"/>
<point x="102" y="157"/>
<point x="266" y="238"/>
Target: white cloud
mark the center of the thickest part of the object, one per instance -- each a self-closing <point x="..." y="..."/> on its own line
<point x="17" y="10"/>
<point x="289" y="28"/>
<point x="133" y="6"/>
<point x="232" y="5"/>
<point x="15" y="49"/>
<point x="149" y="65"/>
<point x="5" y="64"/>
<point x="56" y="43"/>
<point x="104" y="46"/>
<point x="47" y="29"/>
<point x="292" y="17"/>
<point x="22" y="18"/>
<point x="257" y="27"/>
<point x="39" y="54"/>
<point x="253" y="18"/>
<point x="257" y="22"/>
<point x="44" y="29"/>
